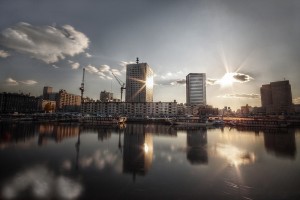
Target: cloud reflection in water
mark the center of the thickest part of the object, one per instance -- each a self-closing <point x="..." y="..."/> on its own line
<point x="43" y="184"/>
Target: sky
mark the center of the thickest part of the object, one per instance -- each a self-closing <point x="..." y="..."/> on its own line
<point x="239" y="44"/>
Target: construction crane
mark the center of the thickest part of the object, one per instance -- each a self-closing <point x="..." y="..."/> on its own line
<point x="82" y="87"/>
<point x="121" y="83"/>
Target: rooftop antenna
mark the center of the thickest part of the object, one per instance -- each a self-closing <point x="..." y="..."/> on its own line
<point x="137" y="60"/>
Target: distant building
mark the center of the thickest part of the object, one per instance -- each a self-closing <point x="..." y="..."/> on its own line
<point x="106" y="96"/>
<point x="47" y="91"/>
<point x="139" y="83"/>
<point x="246" y="110"/>
<point x="68" y="102"/>
<point x="137" y="109"/>
<point x="21" y="103"/>
<point x="276" y="97"/>
<point x="196" y="89"/>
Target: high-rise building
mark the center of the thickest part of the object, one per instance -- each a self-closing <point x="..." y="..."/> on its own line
<point x="139" y="83"/>
<point x="196" y="89"/>
<point x="46" y="92"/>
<point x="106" y="96"/>
<point x="276" y="97"/>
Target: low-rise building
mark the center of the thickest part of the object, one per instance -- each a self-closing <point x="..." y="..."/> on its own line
<point x="21" y="103"/>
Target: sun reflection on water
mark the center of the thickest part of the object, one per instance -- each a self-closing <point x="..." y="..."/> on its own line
<point x="234" y="155"/>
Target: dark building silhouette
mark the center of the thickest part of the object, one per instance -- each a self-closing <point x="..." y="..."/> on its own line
<point x="280" y="142"/>
<point x="196" y="146"/>
<point x="22" y="103"/>
<point x="276" y="97"/>
<point x="137" y="150"/>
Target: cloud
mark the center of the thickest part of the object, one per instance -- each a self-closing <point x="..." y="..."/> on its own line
<point x="29" y="82"/>
<point x="104" y="71"/>
<point x="75" y="65"/>
<point x="46" y="43"/>
<point x="11" y="81"/>
<point x="248" y="96"/>
<point x="43" y="184"/>
<point x="104" y="68"/>
<point x="55" y="66"/>
<point x="296" y="100"/>
<point x="211" y="81"/>
<point x="241" y="78"/>
<point x="170" y="78"/>
<point x="88" y="55"/>
<point x="4" y="54"/>
<point x="178" y="82"/>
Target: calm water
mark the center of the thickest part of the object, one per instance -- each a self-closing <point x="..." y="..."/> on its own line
<point x="48" y="161"/>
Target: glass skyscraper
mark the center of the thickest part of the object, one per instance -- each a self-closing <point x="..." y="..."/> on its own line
<point x="196" y="89"/>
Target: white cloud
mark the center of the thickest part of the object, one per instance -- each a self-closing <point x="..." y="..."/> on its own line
<point x="29" y="82"/>
<point x="104" y="71"/>
<point x="4" y="54"/>
<point x="249" y="96"/>
<point x="88" y="55"/>
<point x="43" y="184"/>
<point x="55" y="66"/>
<point x="11" y="81"/>
<point x="46" y="43"/>
<point x="75" y="65"/>
<point x="229" y="78"/>
<point x="104" y="68"/>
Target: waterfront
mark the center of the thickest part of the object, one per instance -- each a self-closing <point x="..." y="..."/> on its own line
<point x="147" y="161"/>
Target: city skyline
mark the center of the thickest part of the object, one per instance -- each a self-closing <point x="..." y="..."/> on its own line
<point x="240" y="46"/>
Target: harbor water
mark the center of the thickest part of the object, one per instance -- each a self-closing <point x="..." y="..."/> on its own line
<point x="147" y="161"/>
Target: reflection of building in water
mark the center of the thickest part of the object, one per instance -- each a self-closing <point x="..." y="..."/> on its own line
<point x="104" y="134"/>
<point x="56" y="132"/>
<point x="280" y="142"/>
<point x="138" y="150"/>
<point x="16" y="132"/>
<point x="196" y="146"/>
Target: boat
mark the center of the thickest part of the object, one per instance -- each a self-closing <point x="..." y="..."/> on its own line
<point x="189" y="122"/>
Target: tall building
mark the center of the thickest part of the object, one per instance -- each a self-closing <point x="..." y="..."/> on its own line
<point x="46" y="92"/>
<point x="139" y="83"/>
<point x="196" y="89"/>
<point x="67" y="101"/>
<point x="106" y="96"/>
<point x="276" y="97"/>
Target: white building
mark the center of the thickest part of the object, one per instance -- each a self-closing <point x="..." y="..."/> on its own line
<point x="149" y="109"/>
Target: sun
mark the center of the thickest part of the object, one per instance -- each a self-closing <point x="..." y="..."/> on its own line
<point x="227" y="80"/>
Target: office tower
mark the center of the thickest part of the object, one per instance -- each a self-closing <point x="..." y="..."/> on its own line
<point x="106" y="96"/>
<point x="139" y="83"/>
<point x="196" y="89"/>
<point x="276" y="97"/>
<point x="46" y="92"/>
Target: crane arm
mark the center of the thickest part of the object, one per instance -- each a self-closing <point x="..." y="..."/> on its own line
<point x="121" y="83"/>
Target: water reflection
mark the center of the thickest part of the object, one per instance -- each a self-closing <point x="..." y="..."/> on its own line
<point x="41" y="183"/>
<point x="11" y="133"/>
<point x="280" y="142"/>
<point x="234" y="155"/>
<point x="56" y="132"/>
<point x="137" y="150"/>
<point x="196" y="146"/>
